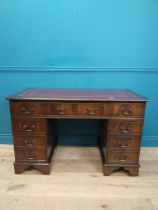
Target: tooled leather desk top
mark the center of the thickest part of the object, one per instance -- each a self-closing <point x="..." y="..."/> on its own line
<point x="77" y="95"/>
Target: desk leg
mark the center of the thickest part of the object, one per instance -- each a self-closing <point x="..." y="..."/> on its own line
<point x="108" y="170"/>
<point x="21" y="167"/>
<point x="133" y="171"/>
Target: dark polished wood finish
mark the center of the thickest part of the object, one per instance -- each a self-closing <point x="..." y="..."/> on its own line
<point x="34" y="113"/>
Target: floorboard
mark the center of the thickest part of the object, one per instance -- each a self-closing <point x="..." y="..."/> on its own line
<point x="76" y="182"/>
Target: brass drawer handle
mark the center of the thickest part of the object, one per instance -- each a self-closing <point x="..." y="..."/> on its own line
<point x="61" y="111"/>
<point x="92" y="112"/>
<point x="126" y="112"/>
<point x="127" y="130"/>
<point x="29" y="128"/>
<point x="29" y="143"/>
<point x="122" y="160"/>
<point x="30" y="156"/>
<point x="123" y="144"/>
<point x="26" y="110"/>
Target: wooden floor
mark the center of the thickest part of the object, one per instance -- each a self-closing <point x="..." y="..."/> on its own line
<point x="76" y="183"/>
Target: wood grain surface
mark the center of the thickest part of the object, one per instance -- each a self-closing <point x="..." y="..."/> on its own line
<point x="76" y="182"/>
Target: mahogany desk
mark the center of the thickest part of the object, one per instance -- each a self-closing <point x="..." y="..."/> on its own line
<point x="34" y="113"/>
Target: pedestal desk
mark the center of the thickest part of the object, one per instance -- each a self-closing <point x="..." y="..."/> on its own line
<point x="34" y="113"/>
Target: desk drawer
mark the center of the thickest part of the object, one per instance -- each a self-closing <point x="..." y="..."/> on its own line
<point x="128" y="109"/>
<point x="27" y="108"/>
<point x="91" y="109"/>
<point x="125" y="127"/>
<point x="121" y="141"/>
<point x="30" y="141"/>
<point x="122" y="157"/>
<point x="60" y="109"/>
<point x="28" y="126"/>
<point x="30" y="155"/>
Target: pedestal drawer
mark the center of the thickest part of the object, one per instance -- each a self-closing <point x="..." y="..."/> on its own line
<point x="30" y="141"/>
<point x="121" y="141"/>
<point x="125" y="127"/>
<point x="29" y="126"/>
<point x="60" y="109"/>
<point x="30" y="154"/>
<point x="122" y="156"/>
<point x="27" y="108"/>
<point x="91" y="109"/>
<point x="128" y="109"/>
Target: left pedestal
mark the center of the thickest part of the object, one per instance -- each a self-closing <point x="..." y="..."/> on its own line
<point x="33" y="136"/>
